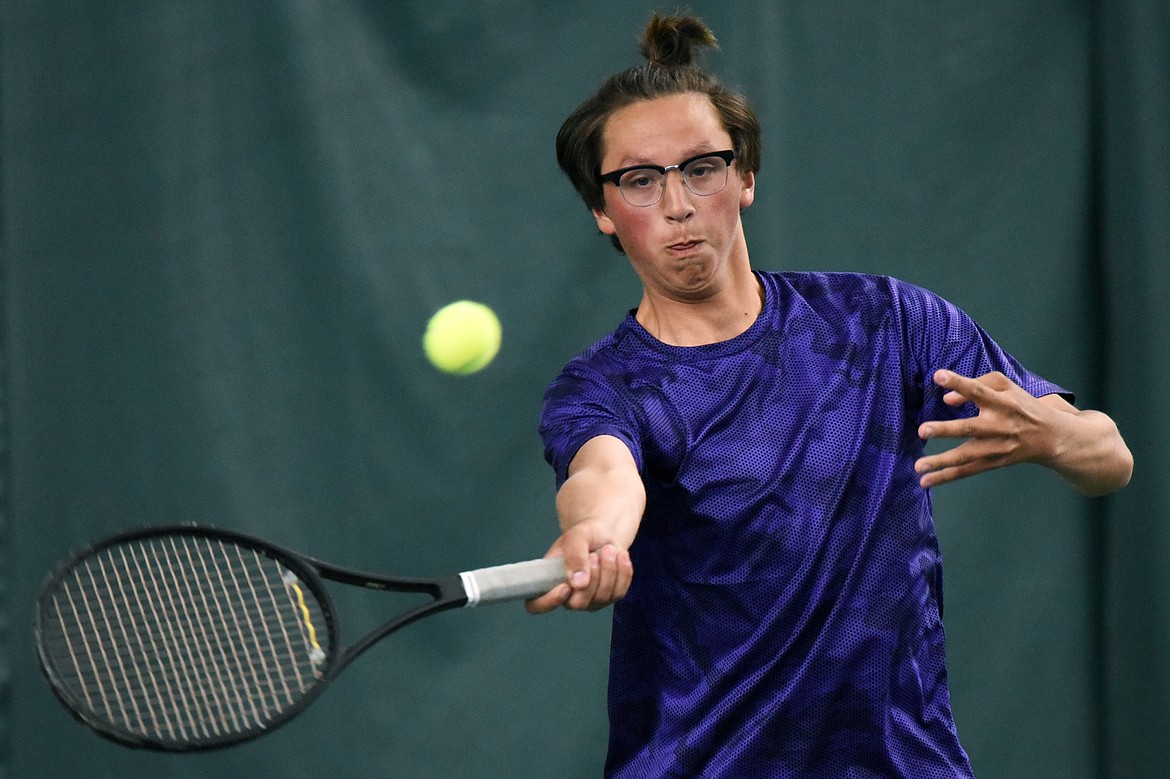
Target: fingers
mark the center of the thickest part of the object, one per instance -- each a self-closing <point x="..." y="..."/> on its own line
<point x="992" y="391"/>
<point x="584" y="590"/>
<point x="991" y="434"/>
<point x="965" y="460"/>
<point x="594" y="580"/>
<point x="955" y="428"/>
<point x="553" y="599"/>
<point x="969" y="386"/>
<point x="610" y="574"/>
<point x="978" y="390"/>
<point x="576" y="545"/>
<point x="955" y="399"/>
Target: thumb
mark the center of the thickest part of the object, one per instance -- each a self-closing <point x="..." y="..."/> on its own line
<point x="575" y="544"/>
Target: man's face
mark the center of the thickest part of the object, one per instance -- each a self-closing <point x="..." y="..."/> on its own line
<point x="684" y="246"/>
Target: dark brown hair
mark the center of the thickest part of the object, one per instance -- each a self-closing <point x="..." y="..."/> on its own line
<point x="671" y="46"/>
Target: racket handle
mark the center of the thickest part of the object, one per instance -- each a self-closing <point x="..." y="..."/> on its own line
<point x="514" y="581"/>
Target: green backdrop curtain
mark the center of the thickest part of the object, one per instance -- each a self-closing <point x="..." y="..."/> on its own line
<point x="224" y="225"/>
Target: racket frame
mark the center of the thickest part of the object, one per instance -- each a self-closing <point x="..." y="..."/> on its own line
<point x="446" y="592"/>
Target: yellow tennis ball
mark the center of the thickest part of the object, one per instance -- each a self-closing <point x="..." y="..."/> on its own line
<point x="462" y="337"/>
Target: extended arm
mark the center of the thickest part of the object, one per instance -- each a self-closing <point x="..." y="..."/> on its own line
<point x="599" y="507"/>
<point x="1011" y="427"/>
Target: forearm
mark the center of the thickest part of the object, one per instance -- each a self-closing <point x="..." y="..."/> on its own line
<point x="610" y="500"/>
<point x="599" y="507"/>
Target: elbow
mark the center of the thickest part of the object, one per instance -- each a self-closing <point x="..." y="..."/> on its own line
<point x="1112" y="461"/>
<point x="1113" y="478"/>
<point x="1124" y="468"/>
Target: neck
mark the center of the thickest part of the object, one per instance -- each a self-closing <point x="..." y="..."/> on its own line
<point x="715" y="319"/>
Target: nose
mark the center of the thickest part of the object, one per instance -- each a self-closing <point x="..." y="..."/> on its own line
<point x="677" y="204"/>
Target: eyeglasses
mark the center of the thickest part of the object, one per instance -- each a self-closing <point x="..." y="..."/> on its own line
<point x="643" y="185"/>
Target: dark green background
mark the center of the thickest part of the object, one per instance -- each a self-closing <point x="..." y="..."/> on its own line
<point x="225" y="224"/>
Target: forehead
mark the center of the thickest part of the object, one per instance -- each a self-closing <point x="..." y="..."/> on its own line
<point x="663" y="131"/>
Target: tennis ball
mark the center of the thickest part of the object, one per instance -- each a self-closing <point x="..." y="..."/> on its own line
<point x="462" y="337"/>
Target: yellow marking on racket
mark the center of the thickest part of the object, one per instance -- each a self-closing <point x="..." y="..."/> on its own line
<point x="316" y="654"/>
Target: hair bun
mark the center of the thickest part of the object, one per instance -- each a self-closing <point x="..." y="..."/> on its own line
<point x="675" y="41"/>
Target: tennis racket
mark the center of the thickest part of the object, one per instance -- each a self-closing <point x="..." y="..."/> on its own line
<point x="190" y="637"/>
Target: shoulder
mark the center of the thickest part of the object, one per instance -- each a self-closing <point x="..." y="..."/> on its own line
<point x="625" y="350"/>
<point x="834" y="296"/>
<point x="839" y="284"/>
<point x="601" y="358"/>
<point x="588" y="398"/>
<point x="596" y="374"/>
<point x="834" y="287"/>
<point x="853" y="295"/>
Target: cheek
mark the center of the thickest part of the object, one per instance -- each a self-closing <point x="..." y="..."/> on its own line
<point x="619" y="218"/>
<point x="630" y="224"/>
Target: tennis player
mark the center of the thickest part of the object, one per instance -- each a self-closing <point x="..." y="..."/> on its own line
<point x="741" y="469"/>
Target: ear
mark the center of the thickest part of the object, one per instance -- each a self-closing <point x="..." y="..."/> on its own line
<point x="747" y="192"/>
<point x="604" y="223"/>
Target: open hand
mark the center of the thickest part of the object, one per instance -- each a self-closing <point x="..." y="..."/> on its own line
<point x="1011" y="427"/>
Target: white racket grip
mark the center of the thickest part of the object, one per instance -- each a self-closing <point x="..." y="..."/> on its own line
<point x="514" y="581"/>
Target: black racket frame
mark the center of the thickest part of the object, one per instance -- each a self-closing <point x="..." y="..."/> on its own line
<point x="446" y="592"/>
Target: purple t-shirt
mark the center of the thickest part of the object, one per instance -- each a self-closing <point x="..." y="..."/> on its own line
<point x="784" y="617"/>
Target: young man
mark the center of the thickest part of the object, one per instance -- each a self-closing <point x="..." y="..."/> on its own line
<point x="751" y="445"/>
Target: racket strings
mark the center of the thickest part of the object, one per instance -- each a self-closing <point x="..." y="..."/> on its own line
<point x="185" y="639"/>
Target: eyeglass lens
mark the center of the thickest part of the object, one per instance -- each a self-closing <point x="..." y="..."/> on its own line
<point x="644" y="186"/>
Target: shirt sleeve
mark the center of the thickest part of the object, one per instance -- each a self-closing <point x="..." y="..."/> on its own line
<point x="580" y="404"/>
<point x="941" y="335"/>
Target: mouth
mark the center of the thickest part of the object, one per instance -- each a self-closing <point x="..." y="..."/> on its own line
<point x="684" y="247"/>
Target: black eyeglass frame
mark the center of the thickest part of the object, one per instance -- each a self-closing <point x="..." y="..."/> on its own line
<point x="614" y="177"/>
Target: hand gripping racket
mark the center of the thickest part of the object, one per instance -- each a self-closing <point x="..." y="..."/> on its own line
<point x="190" y="637"/>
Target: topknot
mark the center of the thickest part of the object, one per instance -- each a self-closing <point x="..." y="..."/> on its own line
<point x="674" y="41"/>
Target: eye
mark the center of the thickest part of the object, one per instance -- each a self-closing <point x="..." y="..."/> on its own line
<point x="640" y="179"/>
<point x="701" y="168"/>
